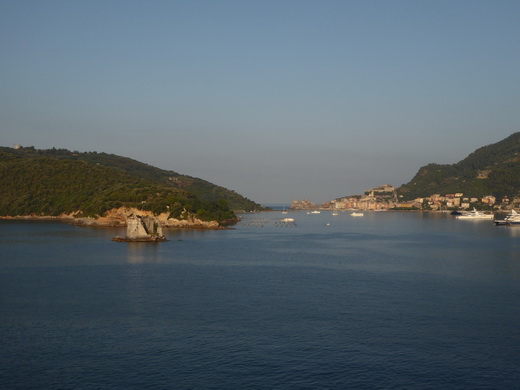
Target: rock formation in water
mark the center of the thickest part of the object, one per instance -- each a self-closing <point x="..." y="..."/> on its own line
<point x="142" y="229"/>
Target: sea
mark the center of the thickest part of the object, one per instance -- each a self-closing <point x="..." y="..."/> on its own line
<point x="390" y="300"/>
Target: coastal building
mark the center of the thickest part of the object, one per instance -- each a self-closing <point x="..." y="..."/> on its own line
<point x="385" y="189"/>
<point x="435" y="205"/>
<point x="453" y="202"/>
<point x="384" y="198"/>
<point x="489" y="200"/>
<point x="408" y="205"/>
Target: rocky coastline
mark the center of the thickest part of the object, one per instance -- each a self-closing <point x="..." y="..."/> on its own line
<point x="118" y="218"/>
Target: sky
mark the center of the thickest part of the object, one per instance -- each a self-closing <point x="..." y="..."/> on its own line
<point x="276" y="100"/>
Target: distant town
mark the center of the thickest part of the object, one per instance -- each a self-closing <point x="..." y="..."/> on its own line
<point x="385" y="197"/>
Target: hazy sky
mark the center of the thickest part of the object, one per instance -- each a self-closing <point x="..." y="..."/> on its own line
<point x="277" y="100"/>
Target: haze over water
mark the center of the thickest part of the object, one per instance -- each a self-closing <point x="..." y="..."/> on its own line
<point x="277" y="100"/>
<point x="390" y="300"/>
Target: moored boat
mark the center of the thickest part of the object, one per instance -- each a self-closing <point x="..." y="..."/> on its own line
<point x="474" y="214"/>
<point x="513" y="218"/>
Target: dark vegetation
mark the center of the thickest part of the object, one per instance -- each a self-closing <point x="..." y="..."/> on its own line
<point x="56" y="181"/>
<point x="490" y="170"/>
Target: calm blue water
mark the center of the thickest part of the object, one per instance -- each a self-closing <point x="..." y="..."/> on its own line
<point x="388" y="301"/>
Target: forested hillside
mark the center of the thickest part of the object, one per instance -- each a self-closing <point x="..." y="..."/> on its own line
<point x="204" y="190"/>
<point x="53" y="182"/>
<point x="490" y="170"/>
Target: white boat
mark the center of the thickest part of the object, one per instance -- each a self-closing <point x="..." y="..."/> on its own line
<point x="287" y="220"/>
<point x="474" y="214"/>
<point x="335" y="213"/>
<point x="315" y="212"/>
<point x="513" y="218"/>
<point x="356" y="214"/>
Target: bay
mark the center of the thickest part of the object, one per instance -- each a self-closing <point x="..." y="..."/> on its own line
<point x="389" y="300"/>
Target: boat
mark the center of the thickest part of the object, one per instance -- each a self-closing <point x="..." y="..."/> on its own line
<point x="356" y="214"/>
<point x="513" y="218"/>
<point x="315" y="212"/>
<point x="475" y="214"/>
<point x="287" y="220"/>
<point x="335" y="213"/>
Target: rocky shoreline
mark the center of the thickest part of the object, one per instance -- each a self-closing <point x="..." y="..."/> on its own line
<point x="118" y="217"/>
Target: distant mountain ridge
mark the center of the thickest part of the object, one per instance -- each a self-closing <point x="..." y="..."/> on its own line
<point x="490" y="170"/>
<point x="56" y="181"/>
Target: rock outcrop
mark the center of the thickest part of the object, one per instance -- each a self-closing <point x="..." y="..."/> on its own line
<point x="303" y="205"/>
<point x="118" y="217"/>
<point x="142" y="229"/>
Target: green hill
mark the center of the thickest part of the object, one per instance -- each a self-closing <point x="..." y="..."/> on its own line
<point x="490" y="170"/>
<point x="56" y="181"/>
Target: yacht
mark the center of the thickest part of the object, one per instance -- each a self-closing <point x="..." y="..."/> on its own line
<point x="474" y="214"/>
<point x="513" y="218"/>
<point x="356" y="214"/>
